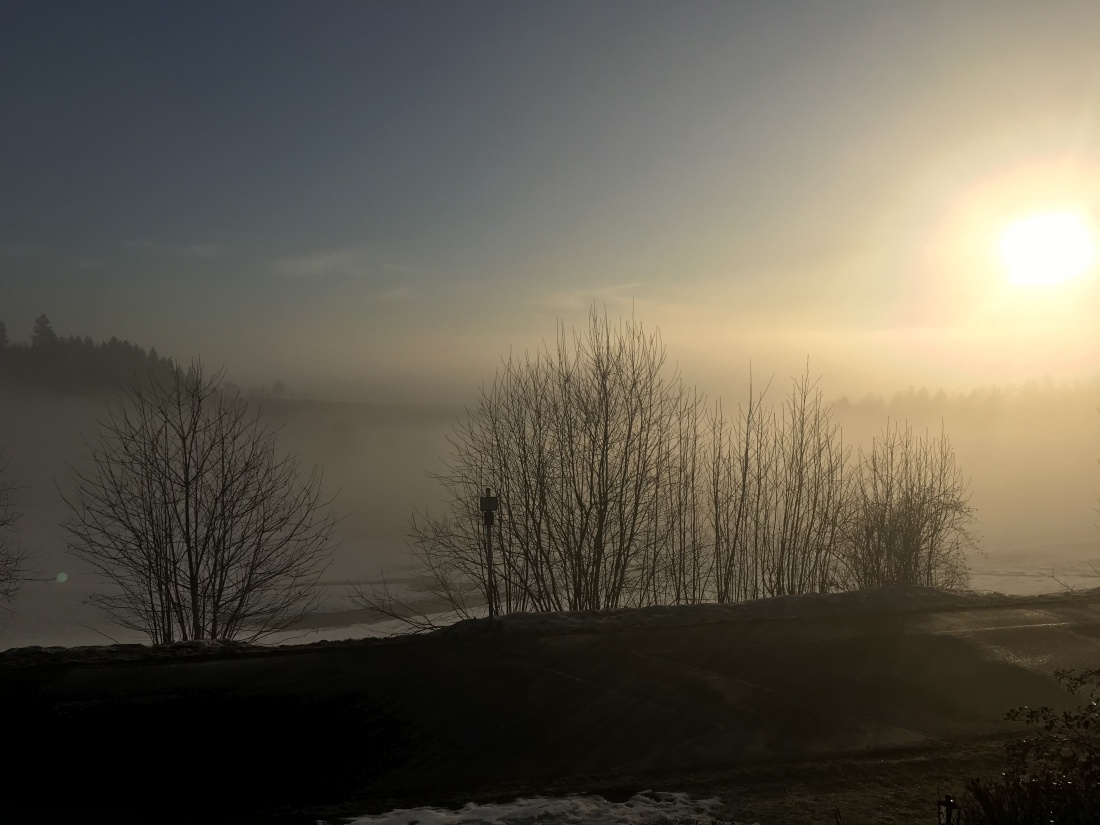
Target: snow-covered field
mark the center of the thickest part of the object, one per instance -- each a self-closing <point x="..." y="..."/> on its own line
<point x="645" y="808"/>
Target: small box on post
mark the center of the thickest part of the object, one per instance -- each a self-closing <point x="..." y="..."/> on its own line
<point x="489" y="505"/>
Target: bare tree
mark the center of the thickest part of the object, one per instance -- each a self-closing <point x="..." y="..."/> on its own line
<point x="618" y="488"/>
<point x="803" y="510"/>
<point x="591" y="448"/>
<point x="690" y="558"/>
<point x="13" y="559"/>
<point x="208" y="532"/>
<point x="775" y="496"/>
<point x="736" y="476"/>
<point x="910" y="521"/>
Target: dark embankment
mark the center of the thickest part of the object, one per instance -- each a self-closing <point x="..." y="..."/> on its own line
<point x="219" y="734"/>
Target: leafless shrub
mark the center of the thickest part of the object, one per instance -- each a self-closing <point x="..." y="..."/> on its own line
<point x="620" y="487"/>
<point x="911" y="520"/>
<point x="188" y="508"/>
<point x="13" y="559"/>
<point x="776" y="496"/>
<point x="799" y="519"/>
<point x="737" y="473"/>
<point x="593" y="452"/>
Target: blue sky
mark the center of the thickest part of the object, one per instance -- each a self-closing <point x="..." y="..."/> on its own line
<point x="387" y="196"/>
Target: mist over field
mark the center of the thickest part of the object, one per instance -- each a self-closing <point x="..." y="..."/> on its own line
<point x="1030" y="453"/>
<point x="443" y="329"/>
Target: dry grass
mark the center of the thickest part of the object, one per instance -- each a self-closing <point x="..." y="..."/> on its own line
<point x="896" y="788"/>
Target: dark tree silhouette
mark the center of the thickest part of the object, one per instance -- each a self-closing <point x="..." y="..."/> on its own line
<point x="43" y="335"/>
<point x="12" y="557"/>
<point x="1053" y="772"/>
<point x="617" y="489"/>
<point x="776" y="497"/>
<point x="72" y="364"/>
<point x="3" y="335"/>
<point x="589" y="447"/>
<point x="208" y="532"/>
<point x="910" y="520"/>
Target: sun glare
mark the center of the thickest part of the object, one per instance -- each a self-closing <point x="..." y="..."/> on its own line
<point x="1048" y="248"/>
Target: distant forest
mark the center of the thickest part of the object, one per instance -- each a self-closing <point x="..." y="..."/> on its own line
<point x="71" y="365"/>
<point x="57" y="364"/>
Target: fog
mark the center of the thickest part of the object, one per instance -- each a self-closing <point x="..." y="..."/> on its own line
<point x="374" y="457"/>
<point x="1030" y="453"/>
<point x="300" y="207"/>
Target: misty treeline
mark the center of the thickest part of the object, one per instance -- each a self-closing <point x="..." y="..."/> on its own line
<point x="70" y="364"/>
<point x="1024" y="406"/>
<point x="620" y="486"/>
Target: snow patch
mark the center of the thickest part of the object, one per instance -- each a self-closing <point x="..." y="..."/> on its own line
<point x="645" y="808"/>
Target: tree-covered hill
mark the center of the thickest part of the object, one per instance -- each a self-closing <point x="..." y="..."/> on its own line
<point x="70" y="364"/>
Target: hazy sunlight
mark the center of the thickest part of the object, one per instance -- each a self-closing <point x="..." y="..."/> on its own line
<point x="1048" y="248"/>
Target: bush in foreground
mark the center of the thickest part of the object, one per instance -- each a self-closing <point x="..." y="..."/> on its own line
<point x="1054" y="773"/>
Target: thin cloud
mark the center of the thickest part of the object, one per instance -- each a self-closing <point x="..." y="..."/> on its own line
<point x="574" y="300"/>
<point x="328" y="264"/>
<point x="349" y="262"/>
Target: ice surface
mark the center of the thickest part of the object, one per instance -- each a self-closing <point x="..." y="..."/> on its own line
<point x="645" y="808"/>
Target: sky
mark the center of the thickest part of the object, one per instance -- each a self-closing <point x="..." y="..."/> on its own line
<point x="387" y="197"/>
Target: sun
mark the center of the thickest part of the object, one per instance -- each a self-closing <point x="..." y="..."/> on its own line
<point x="1048" y="248"/>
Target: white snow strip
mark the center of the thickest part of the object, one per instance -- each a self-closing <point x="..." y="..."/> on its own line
<point x="645" y="808"/>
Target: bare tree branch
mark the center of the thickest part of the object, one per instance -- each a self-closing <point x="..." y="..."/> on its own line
<point x="910" y="521"/>
<point x="189" y="508"/>
<point x="13" y="558"/>
<point x="620" y="487"/>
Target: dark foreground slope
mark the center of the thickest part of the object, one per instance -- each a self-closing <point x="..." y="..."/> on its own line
<point x="208" y="735"/>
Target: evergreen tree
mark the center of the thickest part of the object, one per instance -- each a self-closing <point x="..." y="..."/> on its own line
<point x="43" y="335"/>
<point x="76" y="364"/>
<point x="3" y="335"/>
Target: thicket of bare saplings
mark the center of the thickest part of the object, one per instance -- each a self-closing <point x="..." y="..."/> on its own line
<point x="619" y="486"/>
<point x="208" y="532"/>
